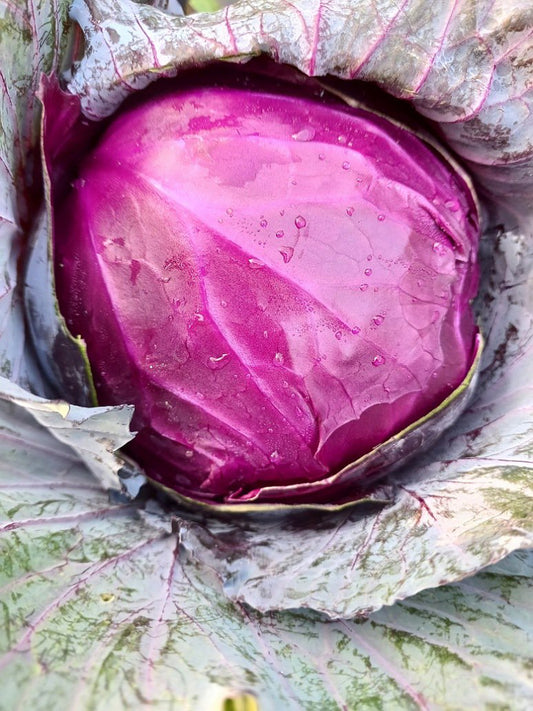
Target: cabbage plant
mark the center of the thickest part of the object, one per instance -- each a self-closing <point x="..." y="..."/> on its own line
<point x="115" y="596"/>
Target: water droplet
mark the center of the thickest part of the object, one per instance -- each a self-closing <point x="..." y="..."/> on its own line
<point x="378" y="320"/>
<point x="369" y="258"/>
<point x="381" y="218"/>
<point x="363" y="287"/>
<point x="368" y="272"/>
<point x="359" y="179"/>
<point x="199" y="318"/>
<point x="346" y="165"/>
<point x="439" y="249"/>
<point x="356" y="330"/>
<point x="280" y="234"/>
<point x="287" y="253"/>
<point x="164" y="280"/>
<point x="306" y="134"/>
<point x="321" y="156"/>
<point x="338" y="335"/>
<point x="218" y="362"/>
<point x="349" y="211"/>
<point x="255" y="263"/>
<point x="452" y="205"/>
<point x="341" y="139"/>
<point x="189" y="453"/>
<point x="275" y="457"/>
<point x="223" y="303"/>
<point x="229" y="211"/>
<point x="265" y="334"/>
<point x="300" y="222"/>
<point x="279" y="359"/>
<point x="263" y="222"/>
<point x="294" y="181"/>
<point x="378" y="360"/>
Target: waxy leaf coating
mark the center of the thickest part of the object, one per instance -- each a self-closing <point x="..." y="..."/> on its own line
<point x="278" y="282"/>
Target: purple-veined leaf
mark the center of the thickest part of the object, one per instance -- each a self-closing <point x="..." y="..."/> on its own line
<point x="101" y="610"/>
<point x="464" y="65"/>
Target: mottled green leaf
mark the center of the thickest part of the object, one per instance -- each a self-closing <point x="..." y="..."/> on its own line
<point x="101" y="611"/>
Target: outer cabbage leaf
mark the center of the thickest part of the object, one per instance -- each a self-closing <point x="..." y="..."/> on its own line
<point x="31" y="41"/>
<point x="101" y="610"/>
<point x="92" y="433"/>
<point x="464" y="65"/>
<point x="132" y="44"/>
<point x="35" y="39"/>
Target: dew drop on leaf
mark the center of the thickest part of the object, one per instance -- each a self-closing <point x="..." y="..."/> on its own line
<point x="287" y="253"/>
<point x="306" y="134"/>
<point x="218" y="362"/>
<point x="279" y="359"/>
<point x="255" y="263"/>
<point x="439" y="249"/>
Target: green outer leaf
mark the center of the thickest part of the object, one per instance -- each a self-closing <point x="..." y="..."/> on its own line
<point x="101" y="611"/>
<point x="33" y="38"/>
<point x="93" y="433"/>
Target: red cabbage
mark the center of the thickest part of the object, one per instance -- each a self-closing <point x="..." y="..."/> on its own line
<point x="277" y="281"/>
